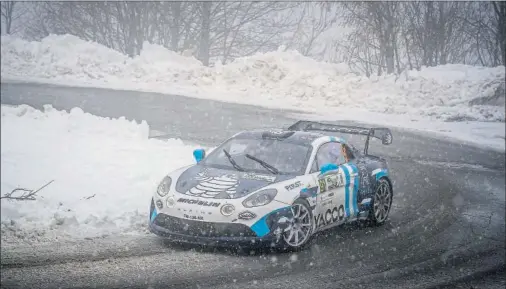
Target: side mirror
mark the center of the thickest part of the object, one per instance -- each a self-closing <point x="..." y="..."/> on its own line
<point x="328" y="167"/>
<point x="199" y="154"/>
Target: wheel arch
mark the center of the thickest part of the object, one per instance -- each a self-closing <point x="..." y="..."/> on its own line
<point x="387" y="178"/>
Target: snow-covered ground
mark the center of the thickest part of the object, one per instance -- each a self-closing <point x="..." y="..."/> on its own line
<point x="488" y="135"/>
<point x="104" y="171"/>
<point x="278" y="79"/>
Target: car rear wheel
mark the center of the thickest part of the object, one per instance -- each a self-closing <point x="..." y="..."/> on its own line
<point x="300" y="229"/>
<point x="381" y="203"/>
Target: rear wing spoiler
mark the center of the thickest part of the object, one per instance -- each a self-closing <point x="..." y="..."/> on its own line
<point x="382" y="133"/>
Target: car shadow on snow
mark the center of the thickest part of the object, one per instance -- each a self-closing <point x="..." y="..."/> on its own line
<point x="323" y="240"/>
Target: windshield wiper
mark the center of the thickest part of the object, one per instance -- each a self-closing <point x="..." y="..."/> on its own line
<point x="231" y="160"/>
<point x="264" y="164"/>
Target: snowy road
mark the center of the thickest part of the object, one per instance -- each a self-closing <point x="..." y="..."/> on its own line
<point x="447" y="223"/>
<point x="187" y="118"/>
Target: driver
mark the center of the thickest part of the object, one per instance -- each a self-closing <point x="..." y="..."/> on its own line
<point x="337" y="155"/>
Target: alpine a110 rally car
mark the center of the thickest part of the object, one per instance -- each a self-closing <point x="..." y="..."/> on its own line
<point x="274" y="188"/>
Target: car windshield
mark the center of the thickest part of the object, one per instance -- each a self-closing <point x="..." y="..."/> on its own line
<point x="247" y="154"/>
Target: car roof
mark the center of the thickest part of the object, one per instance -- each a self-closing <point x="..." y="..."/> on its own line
<point x="296" y="137"/>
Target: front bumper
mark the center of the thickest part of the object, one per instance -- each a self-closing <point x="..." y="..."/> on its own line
<point x="221" y="241"/>
<point x="216" y="234"/>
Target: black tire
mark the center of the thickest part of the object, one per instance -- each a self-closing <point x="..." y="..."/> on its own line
<point x="290" y="246"/>
<point x="383" y="195"/>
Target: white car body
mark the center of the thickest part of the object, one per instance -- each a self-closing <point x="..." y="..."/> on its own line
<point x="333" y="201"/>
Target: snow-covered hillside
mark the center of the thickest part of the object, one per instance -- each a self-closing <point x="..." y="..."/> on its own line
<point x="104" y="171"/>
<point x="274" y="79"/>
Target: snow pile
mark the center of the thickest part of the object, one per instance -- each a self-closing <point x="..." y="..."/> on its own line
<point x="60" y="57"/>
<point x="275" y="79"/>
<point x="104" y="172"/>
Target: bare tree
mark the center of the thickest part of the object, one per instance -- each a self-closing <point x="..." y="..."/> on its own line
<point x="175" y="8"/>
<point x="243" y="28"/>
<point x="11" y="11"/>
<point x="388" y="36"/>
<point x="381" y="37"/>
<point x="374" y="36"/>
<point x="312" y="21"/>
<point x="22" y="194"/>
<point x="435" y="31"/>
<point x="500" y="28"/>
<point x="7" y="13"/>
<point x="205" y="44"/>
<point x="123" y="26"/>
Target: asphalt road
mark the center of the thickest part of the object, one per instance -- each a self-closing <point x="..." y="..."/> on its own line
<point x="446" y="229"/>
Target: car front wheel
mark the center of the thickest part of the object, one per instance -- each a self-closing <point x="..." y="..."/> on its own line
<point x="300" y="228"/>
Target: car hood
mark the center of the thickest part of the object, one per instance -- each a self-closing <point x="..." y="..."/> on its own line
<point x="206" y="182"/>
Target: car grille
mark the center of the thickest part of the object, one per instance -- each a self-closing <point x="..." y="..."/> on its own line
<point x="202" y="229"/>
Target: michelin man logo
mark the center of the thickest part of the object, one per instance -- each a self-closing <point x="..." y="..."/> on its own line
<point x="224" y="186"/>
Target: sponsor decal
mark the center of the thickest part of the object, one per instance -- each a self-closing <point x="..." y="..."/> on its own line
<point x="247" y="215"/>
<point x="227" y="209"/>
<point x="306" y="137"/>
<point x="323" y="185"/>
<point x="257" y="177"/>
<point x="364" y="179"/>
<point x="293" y="186"/>
<point x="366" y="201"/>
<point x="198" y="202"/>
<point x="330" y="182"/>
<point x="276" y="132"/>
<point x="330" y="216"/>
<point x="211" y="187"/>
<point x="334" y="181"/>
<point x="193" y="217"/>
<point x="326" y="203"/>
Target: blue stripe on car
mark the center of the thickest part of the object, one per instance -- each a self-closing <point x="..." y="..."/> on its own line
<point x="309" y="192"/>
<point x="346" y="191"/>
<point x="153" y="215"/>
<point x="354" y="170"/>
<point x="382" y="173"/>
<point x="260" y="227"/>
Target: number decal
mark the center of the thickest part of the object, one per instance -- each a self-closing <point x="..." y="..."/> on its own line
<point x="323" y="185"/>
<point x="331" y="182"/>
<point x="335" y="181"/>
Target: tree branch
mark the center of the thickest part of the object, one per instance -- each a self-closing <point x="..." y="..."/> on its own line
<point x="26" y="193"/>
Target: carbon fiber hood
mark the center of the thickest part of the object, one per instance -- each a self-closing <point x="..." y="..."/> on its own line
<point x="205" y="182"/>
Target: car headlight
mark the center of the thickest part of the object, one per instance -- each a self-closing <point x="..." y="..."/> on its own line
<point x="261" y="198"/>
<point x="164" y="187"/>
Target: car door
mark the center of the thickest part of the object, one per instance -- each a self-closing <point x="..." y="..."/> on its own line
<point x="336" y="201"/>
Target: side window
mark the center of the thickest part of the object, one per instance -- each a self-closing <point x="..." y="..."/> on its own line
<point x="331" y="152"/>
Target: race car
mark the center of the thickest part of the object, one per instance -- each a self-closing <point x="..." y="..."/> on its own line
<point x="274" y="188"/>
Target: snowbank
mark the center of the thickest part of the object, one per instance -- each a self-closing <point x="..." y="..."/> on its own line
<point x="489" y="135"/>
<point x="104" y="172"/>
<point x="275" y="79"/>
